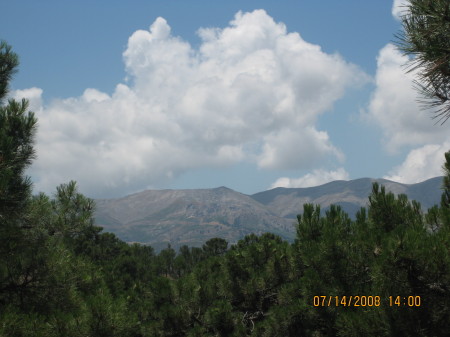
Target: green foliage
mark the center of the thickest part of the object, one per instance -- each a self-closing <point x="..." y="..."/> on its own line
<point x="425" y="36"/>
<point x="215" y="247"/>
<point x="166" y="260"/>
<point x="73" y="212"/>
<point x="394" y="251"/>
<point x="17" y="129"/>
<point x="9" y="62"/>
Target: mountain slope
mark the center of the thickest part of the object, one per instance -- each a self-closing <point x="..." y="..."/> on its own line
<point x="188" y="217"/>
<point x="350" y="195"/>
<point x="191" y="217"/>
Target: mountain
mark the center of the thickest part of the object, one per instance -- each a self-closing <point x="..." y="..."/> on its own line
<point x="350" y="195"/>
<point x="191" y="217"/>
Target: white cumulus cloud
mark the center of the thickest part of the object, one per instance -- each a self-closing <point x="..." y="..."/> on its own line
<point x="421" y="164"/>
<point x="394" y="106"/>
<point x="288" y="149"/>
<point x="251" y="91"/>
<point x="315" y="178"/>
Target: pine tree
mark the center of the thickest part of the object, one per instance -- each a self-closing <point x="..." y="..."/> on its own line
<point x="426" y="37"/>
<point x="17" y="130"/>
<point x="9" y="62"/>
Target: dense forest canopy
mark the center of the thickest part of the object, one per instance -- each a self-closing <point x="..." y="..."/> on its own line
<point x="386" y="273"/>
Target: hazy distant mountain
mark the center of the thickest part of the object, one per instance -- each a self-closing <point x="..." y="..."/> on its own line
<point x="191" y="217"/>
<point x="188" y="217"/>
<point x="350" y="195"/>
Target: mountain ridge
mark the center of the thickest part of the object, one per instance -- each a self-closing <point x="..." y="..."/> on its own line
<point x="192" y="216"/>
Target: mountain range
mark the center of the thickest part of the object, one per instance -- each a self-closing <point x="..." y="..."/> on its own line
<point x="192" y="216"/>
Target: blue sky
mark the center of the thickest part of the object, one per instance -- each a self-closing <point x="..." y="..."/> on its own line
<point x="198" y="94"/>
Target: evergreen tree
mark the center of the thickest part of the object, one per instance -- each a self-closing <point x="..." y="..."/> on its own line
<point x="9" y="62"/>
<point x="17" y="130"/>
<point x="426" y="36"/>
<point x="215" y="246"/>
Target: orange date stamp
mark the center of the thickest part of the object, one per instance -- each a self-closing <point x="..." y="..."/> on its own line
<point x="366" y="301"/>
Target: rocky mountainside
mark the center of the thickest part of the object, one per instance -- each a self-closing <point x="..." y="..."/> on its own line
<point x="350" y="195"/>
<point x="191" y="217"/>
<point x="188" y="217"/>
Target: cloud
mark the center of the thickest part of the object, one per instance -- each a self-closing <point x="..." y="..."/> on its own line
<point x="399" y="8"/>
<point x="251" y="92"/>
<point x="316" y="178"/>
<point x="282" y="149"/>
<point x="395" y="109"/>
<point x="34" y="96"/>
<point x="421" y="164"/>
<point x="393" y="105"/>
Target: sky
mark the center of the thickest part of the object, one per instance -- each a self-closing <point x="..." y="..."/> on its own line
<point x="249" y="94"/>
